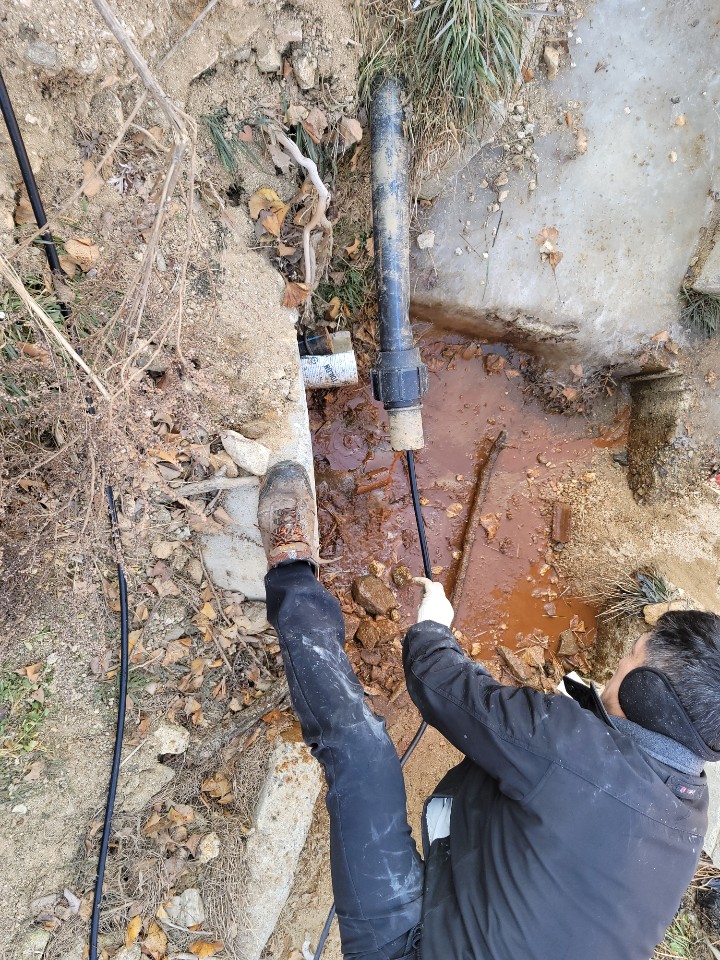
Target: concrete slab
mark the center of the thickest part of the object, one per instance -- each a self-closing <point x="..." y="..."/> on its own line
<point x="644" y="88"/>
<point x="282" y="820"/>
<point x="270" y="375"/>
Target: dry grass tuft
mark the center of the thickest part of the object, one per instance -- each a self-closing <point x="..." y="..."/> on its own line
<point x="625" y="594"/>
<point x="458" y="58"/>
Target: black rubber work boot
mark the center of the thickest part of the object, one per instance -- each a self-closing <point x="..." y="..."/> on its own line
<point x="286" y="514"/>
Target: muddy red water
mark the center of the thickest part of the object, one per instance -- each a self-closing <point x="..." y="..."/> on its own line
<point x="511" y="586"/>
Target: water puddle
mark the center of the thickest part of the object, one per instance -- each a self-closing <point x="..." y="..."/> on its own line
<point x="365" y="512"/>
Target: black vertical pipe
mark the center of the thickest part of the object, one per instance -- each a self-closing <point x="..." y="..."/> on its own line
<point x="29" y="179"/>
<point x="399" y="377"/>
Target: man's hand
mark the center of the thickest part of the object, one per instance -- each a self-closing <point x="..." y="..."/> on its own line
<point x="435" y="605"/>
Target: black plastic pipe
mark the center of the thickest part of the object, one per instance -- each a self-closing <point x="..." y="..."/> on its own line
<point x="399" y="378"/>
<point x="29" y="179"/>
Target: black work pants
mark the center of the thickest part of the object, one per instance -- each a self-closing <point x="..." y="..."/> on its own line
<point x="377" y="873"/>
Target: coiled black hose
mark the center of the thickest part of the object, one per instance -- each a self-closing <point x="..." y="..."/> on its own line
<point x="414" y="493"/>
<point x="52" y="257"/>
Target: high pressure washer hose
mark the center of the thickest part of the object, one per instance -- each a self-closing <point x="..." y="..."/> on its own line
<point x="52" y="257"/>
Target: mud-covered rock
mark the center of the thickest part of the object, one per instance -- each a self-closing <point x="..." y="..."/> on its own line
<point x="305" y="67"/>
<point x="351" y="626"/>
<point x="373" y="596"/>
<point x="370" y="633"/>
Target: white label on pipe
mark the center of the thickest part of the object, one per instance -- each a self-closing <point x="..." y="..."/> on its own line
<point x="333" y="370"/>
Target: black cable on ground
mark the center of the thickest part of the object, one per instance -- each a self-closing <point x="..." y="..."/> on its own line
<point x="122" y="695"/>
<point x="52" y="256"/>
<point x="31" y="186"/>
<point x="417" y="507"/>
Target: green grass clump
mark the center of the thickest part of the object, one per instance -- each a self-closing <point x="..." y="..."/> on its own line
<point x="23" y="709"/>
<point x="701" y="311"/>
<point x="223" y="132"/>
<point x="456" y="57"/>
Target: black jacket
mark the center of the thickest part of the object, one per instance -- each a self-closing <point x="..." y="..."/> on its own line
<point x="567" y="842"/>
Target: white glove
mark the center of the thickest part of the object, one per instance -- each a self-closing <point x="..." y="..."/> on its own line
<point x="435" y="605"/>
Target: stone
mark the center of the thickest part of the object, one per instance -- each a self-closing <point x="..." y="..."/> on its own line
<point x="708" y="280"/>
<point x="351" y="626"/>
<point x="267" y="57"/>
<point x="282" y="820"/>
<point x="287" y="32"/>
<point x="551" y="56"/>
<point x="88" y="65"/>
<point x="372" y="632"/>
<point x="373" y="596"/>
<point x="187" y="909"/>
<point x="208" y="848"/>
<point x="106" y="111"/>
<point x="171" y="738"/>
<point x="305" y="67"/>
<point x="561" y="522"/>
<point x="42" y="55"/>
<point x="241" y="55"/>
<point x="250" y="455"/>
<point x="32" y="945"/>
<point x="653" y="611"/>
<point x="426" y="240"/>
<point x="128" y="953"/>
<point x="568" y="645"/>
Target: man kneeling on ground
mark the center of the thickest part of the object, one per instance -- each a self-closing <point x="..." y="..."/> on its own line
<point x="572" y="827"/>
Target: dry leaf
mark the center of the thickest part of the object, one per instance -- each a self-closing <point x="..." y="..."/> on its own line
<point x="581" y="141"/>
<point x="680" y="120"/>
<point x="33" y="672"/>
<point x="576" y="369"/>
<point x="527" y="74"/>
<point x="83" y="251"/>
<point x="295" y="294"/>
<point x="554" y="258"/>
<point x="353" y="248"/>
<point x="350" y="131"/>
<point x="315" y="124"/>
<point x="133" y="931"/>
<point x="246" y="134"/>
<point x="68" y="265"/>
<point x="280" y="159"/>
<point x="23" y="212"/>
<point x="265" y="199"/>
<point x="34" y="351"/>
<point x="661" y="337"/>
<point x="548" y="237"/>
<point x="490" y="523"/>
<point x="92" y="182"/>
<point x="155" y="942"/>
<point x="204" y="948"/>
<point x="283" y="250"/>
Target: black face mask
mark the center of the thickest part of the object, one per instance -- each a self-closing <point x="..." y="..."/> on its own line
<point x="647" y="698"/>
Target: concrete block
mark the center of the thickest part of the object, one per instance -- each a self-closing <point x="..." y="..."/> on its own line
<point x="628" y="209"/>
<point x="708" y="280"/>
<point x="282" y="820"/>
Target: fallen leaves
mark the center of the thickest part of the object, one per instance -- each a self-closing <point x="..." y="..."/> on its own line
<point x="133" y="931"/>
<point x="315" y="124"/>
<point x="547" y="239"/>
<point x="83" y="251"/>
<point x="92" y="182"/>
<point x="155" y="942"/>
<point x="206" y="948"/>
<point x="295" y="293"/>
<point x="269" y="211"/>
<point x="218" y="787"/>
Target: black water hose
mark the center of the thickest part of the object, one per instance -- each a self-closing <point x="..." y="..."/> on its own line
<point x="423" y="726"/>
<point x="28" y="176"/>
<point x="119" y="730"/>
<point x="399" y="378"/>
<point x="51" y="252"/>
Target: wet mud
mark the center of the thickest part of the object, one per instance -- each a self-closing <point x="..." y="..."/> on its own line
<point x="512" y="594"/>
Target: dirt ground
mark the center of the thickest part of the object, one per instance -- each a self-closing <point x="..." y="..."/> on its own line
<point x="205" y="668"/>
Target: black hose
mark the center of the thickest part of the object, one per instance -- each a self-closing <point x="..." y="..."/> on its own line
<point x="115" y="770"/>
<point x="417" y="507"/>
<point x="52" y="257"/>
<point x="31" y="186"/>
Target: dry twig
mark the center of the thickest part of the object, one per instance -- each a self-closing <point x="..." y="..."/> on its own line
<point x="9" y="273"/>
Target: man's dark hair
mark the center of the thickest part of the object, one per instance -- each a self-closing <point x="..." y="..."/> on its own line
<point x="685" y="646"/>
